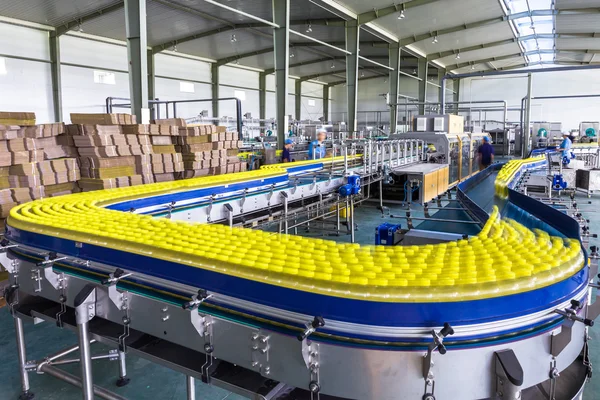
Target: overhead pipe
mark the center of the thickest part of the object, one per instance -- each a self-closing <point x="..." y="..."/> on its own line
<point x="501" y="73"/>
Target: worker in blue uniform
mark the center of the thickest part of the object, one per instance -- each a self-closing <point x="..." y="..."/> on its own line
<point x="285" y="155"/>
<point x="485" y="153"/>
<point x="566" y="145"/>
<point x="316" y="149"/>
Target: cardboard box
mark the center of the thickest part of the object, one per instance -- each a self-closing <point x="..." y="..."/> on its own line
<point x="103" y="119"/>
<point x="179" y="122"/>
<point x="161" y="140"/>
<point x="8" y="132"/>
<point x="163" y="149"/>
<point x="103" y="162"/>
<point x="17" y="118"/>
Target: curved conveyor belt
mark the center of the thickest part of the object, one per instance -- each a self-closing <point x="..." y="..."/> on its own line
<point x="506" y="271"/>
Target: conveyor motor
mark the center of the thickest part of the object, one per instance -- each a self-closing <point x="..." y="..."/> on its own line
<point x="558" y="183"/>
<point x="542" y="132"/>
<point x="387" y="234"/>
<point x="352" y="187"/>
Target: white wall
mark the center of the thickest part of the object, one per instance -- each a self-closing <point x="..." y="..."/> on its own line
<point x="27" y="84"/>
<point x="513" y="88"/>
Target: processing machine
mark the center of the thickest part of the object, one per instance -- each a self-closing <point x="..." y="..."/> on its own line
<point x="180" y="273"/>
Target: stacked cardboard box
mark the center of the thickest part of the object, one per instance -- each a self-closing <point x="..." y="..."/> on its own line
<point x="164" y="162"/>
<point x="106" y="154"/>
<point x="102" y="119"/>
<point x="208" y="149"/>
<point x="35" y="161"/>
<point x="17" y="118"/>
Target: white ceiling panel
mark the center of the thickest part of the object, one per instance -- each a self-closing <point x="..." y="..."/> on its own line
<point x="578" y="43"/>
<point x="576" y="4"/>
<point x="467" y="38"/>
<point x="577" y="23"/>
<point x="497" y="51"/>
<point x="439" y="15"/>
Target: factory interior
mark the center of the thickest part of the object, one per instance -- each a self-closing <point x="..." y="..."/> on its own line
<point x="299" y="199"/>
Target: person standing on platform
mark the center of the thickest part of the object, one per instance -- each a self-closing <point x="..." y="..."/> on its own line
<point x="485" y="154"/>
<point x="285" y="155"/>
<point x="316" y="149"/>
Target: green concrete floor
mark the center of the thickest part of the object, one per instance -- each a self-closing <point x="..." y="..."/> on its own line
<point x="151" y="381"/>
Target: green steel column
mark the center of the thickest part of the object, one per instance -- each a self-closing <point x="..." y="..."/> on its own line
<point x="394" y="57"/>
<point x="262" y="95"/>
<point x="137" y="46"/>
<point x="281" y="46"/>
<point x="441" y="74"/>
<point x="151" y="76"/>
<point x="352" y="45"/>
<point x="456" y="87"/>
<point x="214" y="69"/>
<point x="423" y="67"/>
<point x="55" y="74"/>
<point x="298" y="96"/>
<point x="326" y="103"/>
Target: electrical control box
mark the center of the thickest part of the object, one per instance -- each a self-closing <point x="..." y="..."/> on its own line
<point x="447" y="123"/>
<point x="421" y="124"/>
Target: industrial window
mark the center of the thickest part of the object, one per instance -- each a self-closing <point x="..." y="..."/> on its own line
<point x="311" y="103"/>
<point x="3" y="66"/>
<point x="240" y="94"/>
<point x="104" y="77"/>
<point x="186" y="87"/>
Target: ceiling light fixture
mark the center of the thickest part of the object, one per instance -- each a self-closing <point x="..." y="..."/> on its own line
<point x="309" y="28"/>
<point x="292" y="55"/>
<point x="414" y="71"/>
<point x="435" y="39"/>
<point x="233" y="38"/>
<point x="473" y="66"/>
<point x="175" y="47"/>
<point x="237" y="62"/>
<point x="457" y="56"/>
<point x="401" y="15"/>
<point x="79" y="27"/>
<point x="362" y="74"/>
<point x="332" y="66"/>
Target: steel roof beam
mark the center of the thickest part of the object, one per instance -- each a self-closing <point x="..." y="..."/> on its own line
<point x="442" y="54"/>
<point x="341" y="72"/>
<point x="486" y="60"/>
<point x="370" y="16"/>
<point x="227" y="60"/>
<point x="62" y="29"/>
<point x="309" y="62"/>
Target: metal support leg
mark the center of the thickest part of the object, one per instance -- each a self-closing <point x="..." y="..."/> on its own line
<point x="85" y="310"/>
<point x="123" y="379"/>
<point x="86" y="361"/>
<point x="381" y="194"/>
<point x="26" y="394"/>
<point x="191" y="388"/>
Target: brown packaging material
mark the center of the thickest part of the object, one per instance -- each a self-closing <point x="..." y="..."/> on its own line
<point x="8" y="132"/>
<point x="105" y="151"/>
<point x="171" y="121"/>
<point x="22" y="157"/>
<point x="43" y="130"/>
<point x="190" y="140"/>
<point x="103" y="119"/>
<point x="218" y="145"/>
<point x="163" y="149"/>
<point x="162" y="140"/>
<point x="102" y="162"/>
<point x="59" y="152"/>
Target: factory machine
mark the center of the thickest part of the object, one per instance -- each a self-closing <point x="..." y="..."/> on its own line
<point x="171" y="272"/>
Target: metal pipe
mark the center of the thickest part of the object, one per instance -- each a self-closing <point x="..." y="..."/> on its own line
<point x="352" y="237"/>
<point x="510" y="72"/>
<point x="122" y="367"/>
<point x="76" y="360"/>
<point x="525" y="134"/>
<point x="86" y="361"/>
<point x="191" y="388"/>
<point x="75" y="381"/>
<point x="20" y="334"/>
